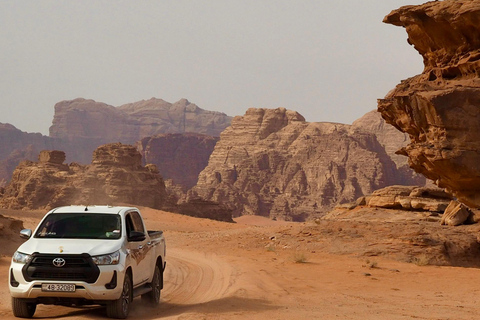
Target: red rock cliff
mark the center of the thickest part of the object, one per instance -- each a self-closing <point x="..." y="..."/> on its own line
<point x="440" y="108"/>
<point x="272" y="162"/>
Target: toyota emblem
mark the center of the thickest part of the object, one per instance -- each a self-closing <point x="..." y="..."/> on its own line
<point x="58" y="262"/>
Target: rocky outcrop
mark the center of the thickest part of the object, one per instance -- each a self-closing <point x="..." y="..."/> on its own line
<point x="408" y="198"/>
<point x="272" y="162"/>
<point x="116" y="176"/>
<point x="86" y="124"/>
<point x="415" y="203"/>
<point x="440" y="108"/>
<point x="179" y="157"/>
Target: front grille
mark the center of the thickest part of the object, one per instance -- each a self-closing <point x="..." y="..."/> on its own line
<point x="77" y="268"/>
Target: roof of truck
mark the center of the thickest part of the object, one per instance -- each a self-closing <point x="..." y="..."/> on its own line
<point x="92" y="209"/>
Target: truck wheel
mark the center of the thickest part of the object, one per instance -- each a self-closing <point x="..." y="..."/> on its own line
<point x="153" y="297"/>
<point x="23" y="309"/>
<point x="119" y="308"/>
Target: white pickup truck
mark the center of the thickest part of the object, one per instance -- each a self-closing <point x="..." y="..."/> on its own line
<point x="82" y="255"/>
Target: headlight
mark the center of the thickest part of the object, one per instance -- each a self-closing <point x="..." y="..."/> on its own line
<point x="112" y="258"/>
<point x="19" y="257"/>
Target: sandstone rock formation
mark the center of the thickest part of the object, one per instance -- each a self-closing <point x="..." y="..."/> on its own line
<point x="86" y="124"/>
<point x="408" y="198"/>
<point x="455" y="214"/>
<point x="115" y="176"/>
<point x="179" y="157"/>
<point x="440" y="108"/>
<point x="272" y="162"/>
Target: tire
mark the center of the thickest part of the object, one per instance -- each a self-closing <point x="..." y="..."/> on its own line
<point x="23" y="309"/>
<point x="153" y="297"/>
<point x="120" y="308"/>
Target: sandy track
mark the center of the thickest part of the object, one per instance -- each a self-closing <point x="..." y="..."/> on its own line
<point x="237" y="271"/>
<point x="193" y="277"/>
<point x="200" y="285"/>
<point x="192" y="281"/>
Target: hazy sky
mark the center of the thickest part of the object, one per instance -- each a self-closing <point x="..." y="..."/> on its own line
<point x="328" y="60"/>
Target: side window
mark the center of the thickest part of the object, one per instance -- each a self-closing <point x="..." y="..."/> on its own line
<point x="137" y="222"/>
<point x="129" y="224"/>
<point x="134" y="222"/>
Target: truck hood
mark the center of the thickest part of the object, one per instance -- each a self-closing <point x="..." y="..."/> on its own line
<point x="93" y="247"/>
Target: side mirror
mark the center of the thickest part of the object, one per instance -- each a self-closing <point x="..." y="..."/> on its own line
<point x="136" y="236"/>
<point x="26" y="233"/>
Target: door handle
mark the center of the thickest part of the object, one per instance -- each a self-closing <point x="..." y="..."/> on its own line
<point x="140" y="247"/>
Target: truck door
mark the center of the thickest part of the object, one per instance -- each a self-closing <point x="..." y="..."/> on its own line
<point x="139" y="250"/>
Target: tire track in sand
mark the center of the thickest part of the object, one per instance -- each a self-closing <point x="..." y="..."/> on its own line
<point x="196" y="277"/>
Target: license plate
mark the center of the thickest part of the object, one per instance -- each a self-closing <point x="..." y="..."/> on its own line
<point x="58" y="287"/>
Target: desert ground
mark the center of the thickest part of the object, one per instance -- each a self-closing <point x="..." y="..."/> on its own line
<point x="257" y="268"/>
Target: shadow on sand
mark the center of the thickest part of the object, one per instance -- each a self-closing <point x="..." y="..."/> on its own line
<point x="140" y="310"/>
<point x="219" y="306"/>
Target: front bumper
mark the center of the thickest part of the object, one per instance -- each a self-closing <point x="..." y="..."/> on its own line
<point x="106" y="287"/>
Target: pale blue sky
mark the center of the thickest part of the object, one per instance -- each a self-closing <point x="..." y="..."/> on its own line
<point x="328" y="60"/>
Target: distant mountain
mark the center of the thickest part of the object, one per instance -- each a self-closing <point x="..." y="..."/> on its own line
<point x="271" y="162"/>
<point x="180" y="157"/>
<point x="80" y="126"/>
<point x="392" y="140"/>
<point x="16" y="145"/>
<point x="86" y="124"/>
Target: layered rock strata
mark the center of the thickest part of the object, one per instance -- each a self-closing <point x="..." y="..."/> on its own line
<point x="440" y="108"/>
<point x="408" y="198"/>
<point x="271" y="162"/>
<point x="87" y="124"/>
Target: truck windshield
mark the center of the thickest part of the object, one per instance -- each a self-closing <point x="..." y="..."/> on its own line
<point x="80" y="226"/>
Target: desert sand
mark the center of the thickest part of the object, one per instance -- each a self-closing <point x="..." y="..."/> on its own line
<point x="252" y="270"/>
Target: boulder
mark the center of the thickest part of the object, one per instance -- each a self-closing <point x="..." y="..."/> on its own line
<point x="455" y="214"/>
<point x="49" y="156"/>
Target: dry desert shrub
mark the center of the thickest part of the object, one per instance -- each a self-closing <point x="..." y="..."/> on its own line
<point x="300" y="257"/>
<point x="421" y="260"/>
<point x="371" y="264"/>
